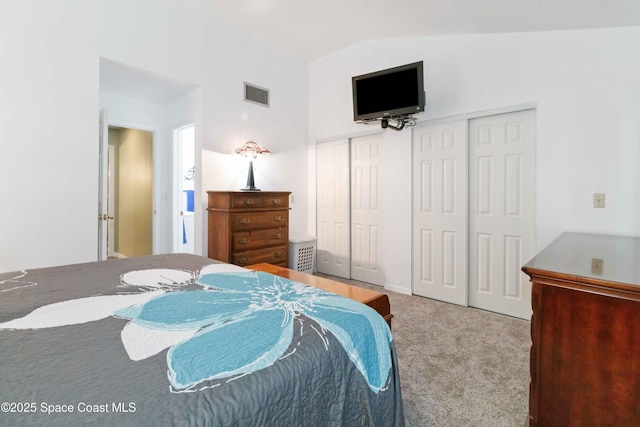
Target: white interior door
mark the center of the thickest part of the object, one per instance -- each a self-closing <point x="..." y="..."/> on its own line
<point x="103" y="169"/>
<point x="366" y="209"/>
<point x="333" y="211"/>
<point x="440" y="212"/>
<point x="184" y="235"/>
<point x="502" y="206"/>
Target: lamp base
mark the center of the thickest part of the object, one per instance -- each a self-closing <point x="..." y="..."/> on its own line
<point x="251" y="185"/>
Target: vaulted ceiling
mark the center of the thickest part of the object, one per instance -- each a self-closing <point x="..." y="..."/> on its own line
<point x="310" y="29"/>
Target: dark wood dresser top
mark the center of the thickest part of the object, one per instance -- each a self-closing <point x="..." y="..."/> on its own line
<point x="607" y="261"/>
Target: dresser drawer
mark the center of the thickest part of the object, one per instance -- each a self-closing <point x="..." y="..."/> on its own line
<point x="246" y="240"/>
<point x="247" y="201"/>
<point x="251" y="220"/>
<point x="274" y="255"/>
<point x="276" y="201"/>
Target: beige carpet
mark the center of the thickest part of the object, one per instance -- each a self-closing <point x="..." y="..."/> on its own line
<point x="459" y="366"/>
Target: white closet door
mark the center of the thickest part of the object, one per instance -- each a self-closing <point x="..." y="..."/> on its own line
<point x="502" y="206"/>
<point x="366" y="209"/>
<point x="440" y="212"/>
<point x="333" y="216"/>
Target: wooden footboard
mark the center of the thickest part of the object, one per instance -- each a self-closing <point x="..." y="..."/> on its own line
<point x="376" y="300"/>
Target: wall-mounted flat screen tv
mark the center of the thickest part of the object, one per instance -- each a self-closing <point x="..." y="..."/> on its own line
<point x="392" y="92"/>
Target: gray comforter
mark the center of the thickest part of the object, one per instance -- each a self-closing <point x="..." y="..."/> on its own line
<point x="184" y="340"/>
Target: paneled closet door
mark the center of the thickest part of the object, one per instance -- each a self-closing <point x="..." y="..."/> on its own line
<point x="502" y="207"/>
<point x="333" y="210"/>
<point x="440" y="211"/>
<point x="366" y="209"/>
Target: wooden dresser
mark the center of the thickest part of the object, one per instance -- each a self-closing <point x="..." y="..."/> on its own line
<point x="249" y="227"/>
<point x="585" y="331"/>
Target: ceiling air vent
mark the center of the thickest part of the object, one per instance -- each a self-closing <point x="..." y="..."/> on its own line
<point x="256" y="94"/>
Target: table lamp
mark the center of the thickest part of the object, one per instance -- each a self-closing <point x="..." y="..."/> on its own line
<point x="251" y="150"/>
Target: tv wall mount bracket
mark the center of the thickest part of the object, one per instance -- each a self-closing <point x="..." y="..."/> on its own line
<point x="392" y="122"/>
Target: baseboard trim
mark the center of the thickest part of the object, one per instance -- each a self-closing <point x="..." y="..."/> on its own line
<point x="398" y="289"/>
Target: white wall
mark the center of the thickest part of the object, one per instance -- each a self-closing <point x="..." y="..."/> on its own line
<point x="49" y="79"/>
<point x="587" y="92"/>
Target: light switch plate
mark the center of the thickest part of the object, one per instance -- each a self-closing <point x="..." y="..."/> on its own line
<point x="598" y="200"/>
<point x="596" y="266"/>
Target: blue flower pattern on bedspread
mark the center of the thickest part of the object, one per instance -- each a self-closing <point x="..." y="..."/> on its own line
<point x="245" y="322"/>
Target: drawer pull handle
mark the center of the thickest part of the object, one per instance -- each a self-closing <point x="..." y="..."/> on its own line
<point x="244" y="260"/>
<point x="276" y="201"/>
<point x="244" y="241"/>
<point x="279" y="218"/>
<point x="249" y="202"/>
<point x="278" y="254"/>
<point x="244" y="221"/>
<point x="279" y="236"/>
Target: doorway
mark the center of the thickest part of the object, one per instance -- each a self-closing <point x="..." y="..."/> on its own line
<point x="132" y="97"/>
<point x="184" y="179"/>
<point x="130" y="192"/>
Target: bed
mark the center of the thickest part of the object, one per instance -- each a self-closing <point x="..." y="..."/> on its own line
<point x="185" y="340"/>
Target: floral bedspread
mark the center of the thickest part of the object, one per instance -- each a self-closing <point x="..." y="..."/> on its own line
<point x="185" y="340"/>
